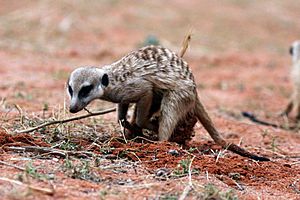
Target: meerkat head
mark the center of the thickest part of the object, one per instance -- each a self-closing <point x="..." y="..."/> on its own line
<point x="295" y="51"/>
<point x="84" y="85"/>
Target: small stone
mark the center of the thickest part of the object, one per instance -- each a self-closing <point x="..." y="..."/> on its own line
<point x="51" y="176"/>
<point x="173" y="152"/>
<point x="287" y="165"/>
<point x="162" y="172"/>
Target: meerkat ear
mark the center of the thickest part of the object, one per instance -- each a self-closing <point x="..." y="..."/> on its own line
<point x="291" y="50"/>
<point x="104" y="80"/>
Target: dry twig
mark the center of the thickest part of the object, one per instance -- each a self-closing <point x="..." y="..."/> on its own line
<point x="102" y="112"/>
<point x="123" y="132"/>
<point x="294" y="186"/>
<point x="143" y="138"/>
<point x="36" y="188"/>
<point x="43" y="150"/>
<point x="12" y="165"/>
<point x="295" y="163"/>
<point x="189" y="187"/>
<point x="229" y="181"/>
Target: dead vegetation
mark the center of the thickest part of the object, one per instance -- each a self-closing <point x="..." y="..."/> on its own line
<point x="84" y="154"/>
<point x="239" y="60"/>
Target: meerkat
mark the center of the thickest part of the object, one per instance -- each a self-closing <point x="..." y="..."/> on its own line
<point x="142" y="77"/>
<point x="294" y="101"/>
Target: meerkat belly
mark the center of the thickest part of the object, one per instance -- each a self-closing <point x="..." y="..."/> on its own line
<point x="295" y="74"/>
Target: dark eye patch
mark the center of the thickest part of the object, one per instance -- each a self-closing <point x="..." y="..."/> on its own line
<point x="104" y="80"/>
<point x="85" y="91"/>
<point x="70" y="90"/>
<point x="291" y="50"/>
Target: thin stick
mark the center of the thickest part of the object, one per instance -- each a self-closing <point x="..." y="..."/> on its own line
<point x="143" y="138"/>
<point x="219" y="155"/>
<point x="43" y="150"/>
<point x="207" y="178"/>
<point x="12" y="165"/>
<point x="238" y="185"/>
<point x="190" y="171"/>
<point x="39" y="189"/>
<point x="294" y="186"/>
<point x="102" y="112"/>
<point x="88" y="111"/>
<point x="135" y="156"/>
<point x="21" y="114"/>
<point x="123" y="131"/>
<point x="189" y="187"/>
<point x="295" y="163"/>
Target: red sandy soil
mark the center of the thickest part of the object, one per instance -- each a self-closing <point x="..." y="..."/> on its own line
<point x="239" y="56"/>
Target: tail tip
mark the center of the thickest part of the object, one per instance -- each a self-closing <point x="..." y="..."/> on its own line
<point x="260" y="158"/>
<point x="247" y="114"/>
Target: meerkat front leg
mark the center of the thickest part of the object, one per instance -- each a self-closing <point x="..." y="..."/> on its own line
<point x="143" y="112"/>
<point x="298" y="113"/>
<point x="122" y="114"/>
<point x="288" y="108"/>
<point x="122" y="117"/>
<point x="122" y="111"/>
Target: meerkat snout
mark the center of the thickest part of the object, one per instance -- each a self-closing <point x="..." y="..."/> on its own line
<point x="85" y="85"/>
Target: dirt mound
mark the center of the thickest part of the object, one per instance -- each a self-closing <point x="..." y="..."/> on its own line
<point x="21" y="139"/>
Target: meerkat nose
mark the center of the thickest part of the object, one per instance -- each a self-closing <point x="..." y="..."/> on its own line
<point x="73" y="109"/>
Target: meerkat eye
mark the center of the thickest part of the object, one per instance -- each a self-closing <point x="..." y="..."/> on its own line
<point x="291" y="50"/>
<point x="85" y="90"/>
<point x="70" y="90"/>
<point x="104" y="80"/>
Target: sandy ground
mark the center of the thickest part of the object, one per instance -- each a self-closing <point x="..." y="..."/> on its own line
<point x="239" y="56"/>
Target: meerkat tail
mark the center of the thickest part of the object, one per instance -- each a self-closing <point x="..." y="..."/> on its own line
<point x="208" y="125"/>
<point x="254" y="119"/>
<point x="185" y="43"/>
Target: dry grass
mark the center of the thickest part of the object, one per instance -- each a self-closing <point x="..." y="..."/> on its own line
<point x="52" y="37"/>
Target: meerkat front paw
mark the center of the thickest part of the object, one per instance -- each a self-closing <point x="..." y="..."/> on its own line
<point x="131" y="130"/>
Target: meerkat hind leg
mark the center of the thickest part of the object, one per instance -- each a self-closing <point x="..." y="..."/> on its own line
<point x="172" y="111"/>
<point x="155" y="105"/>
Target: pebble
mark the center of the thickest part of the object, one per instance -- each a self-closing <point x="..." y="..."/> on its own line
<point x="173" y="152"/>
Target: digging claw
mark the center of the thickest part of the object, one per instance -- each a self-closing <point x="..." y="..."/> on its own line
<point x="131" y="130"/>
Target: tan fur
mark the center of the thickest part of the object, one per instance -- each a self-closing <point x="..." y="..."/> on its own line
<point x="294" y="101"/>
<point x="155" y="78"/>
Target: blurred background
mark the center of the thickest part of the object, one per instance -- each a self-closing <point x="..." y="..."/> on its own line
<point x="42" y="41"/>
<point x="89" y="27"/>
